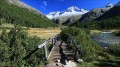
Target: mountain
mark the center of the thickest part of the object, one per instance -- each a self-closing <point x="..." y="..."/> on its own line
<point x="118" y="3"/>
<point x="23" y="5"/>
<point x="109" y="20"/>
<point x="69" y="12"/>
<point x="112" y="13"/>
<point x="73" y="13"/>
<point x="95" y="13"/>
<point x="17" y="12"/>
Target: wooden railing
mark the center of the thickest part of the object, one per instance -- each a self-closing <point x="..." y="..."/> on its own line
<point x="77" y="50"/>
<point x="51" y="40"/>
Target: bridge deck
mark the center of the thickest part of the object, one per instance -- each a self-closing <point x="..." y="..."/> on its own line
<point x="60" y="52"/>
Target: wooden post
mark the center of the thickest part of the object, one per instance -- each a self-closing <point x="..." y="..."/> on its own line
<point x="52" y="42"/>
<point x="54" y="39"/>
<point x="75" y="54"/>
<point x="45" y="51"/>
<point x="70" y="40"/>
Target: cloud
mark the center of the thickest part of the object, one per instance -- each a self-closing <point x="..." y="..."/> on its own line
<point x="45" y="3"/>
<point x="42" y="7"/>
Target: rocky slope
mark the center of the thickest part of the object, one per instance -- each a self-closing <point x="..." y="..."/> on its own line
<point x="112" y="13"/>
<point x="23" y="5"/>
<point x="95" y="13"/>
<point x="109" y="20"/>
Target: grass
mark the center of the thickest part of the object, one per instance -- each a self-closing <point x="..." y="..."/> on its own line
<point x="43" y="33"/>
<point x="6" y="25"/>
<point x="110" y="61"/>
<point x="99" y="31"/>
<point x="86" y="64"/>
<point x="95" y="31"/>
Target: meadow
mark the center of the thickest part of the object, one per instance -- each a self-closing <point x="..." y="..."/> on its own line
<point x="43" y="33"/>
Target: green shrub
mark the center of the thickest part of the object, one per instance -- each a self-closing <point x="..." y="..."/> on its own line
<point x="0" y="22"/>
<point x="17" y="49"/>
<point x="114" y="49"/>
<point x="117" y="33"/>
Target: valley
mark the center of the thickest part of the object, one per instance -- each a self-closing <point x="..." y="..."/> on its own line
<point x="59" y="33"/>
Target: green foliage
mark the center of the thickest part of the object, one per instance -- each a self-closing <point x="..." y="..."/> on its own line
<point x="17" y="15"/>
<point x="117" y="33"/>
<point x="0" y="22"/>
<point x="91" y="50"/>
<point x="17" y="49"/>
<point x="82" y="36"/>
<point x="114" y="49"/>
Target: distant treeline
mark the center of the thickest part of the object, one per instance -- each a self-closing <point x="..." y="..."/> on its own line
<point x="17" y="15"/>
<point x="110" y="23"/>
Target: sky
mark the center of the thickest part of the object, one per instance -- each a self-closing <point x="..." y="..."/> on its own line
<point x="47" y="6"/>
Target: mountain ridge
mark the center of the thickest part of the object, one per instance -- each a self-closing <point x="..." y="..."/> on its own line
<point x="95" y="13"/>
<point x="73" y="10"/>
<point x="71" y="14"/>
<point x="108" y="20"/>
<point x="23" y="5"/>
<point x="12" y="13"/>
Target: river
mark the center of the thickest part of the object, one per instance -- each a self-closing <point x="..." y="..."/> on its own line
<point x="106" y="38"/>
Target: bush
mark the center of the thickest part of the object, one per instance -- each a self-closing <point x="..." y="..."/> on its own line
<point x="114" y="49"/>
<point x="17" y="49"/>
<point x="0" y="22"/>
<point x="117" y="33"/>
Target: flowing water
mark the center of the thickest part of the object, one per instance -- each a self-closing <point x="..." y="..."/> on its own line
<point x="106" y="38"/>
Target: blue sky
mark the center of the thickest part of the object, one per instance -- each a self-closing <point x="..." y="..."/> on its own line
<point x="47" y="6"/>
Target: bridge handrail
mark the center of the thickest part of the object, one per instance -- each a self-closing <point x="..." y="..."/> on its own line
<point x="48" y="40"/>
<point x="53" y="40"/>
<point x="76" y="46"/>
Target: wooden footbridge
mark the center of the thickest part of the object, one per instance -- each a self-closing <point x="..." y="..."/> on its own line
<point x="61" y="51"/>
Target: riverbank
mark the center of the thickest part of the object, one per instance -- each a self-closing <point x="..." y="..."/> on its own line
<point x="100" y="31"/>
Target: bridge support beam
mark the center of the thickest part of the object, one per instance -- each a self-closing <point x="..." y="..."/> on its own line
<point x="75" y="54"/>
<point x="53" y="42"/>
<point x="45" y="52"/>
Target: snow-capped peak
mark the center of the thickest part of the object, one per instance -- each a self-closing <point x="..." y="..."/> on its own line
<point x="110" y="5"/>
<point x="73" y="10"/>
<point x="76" y="9"/>
<point x="51" y="14"/>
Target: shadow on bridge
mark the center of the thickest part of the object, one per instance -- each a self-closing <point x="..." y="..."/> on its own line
<point x="63" y="57"/>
